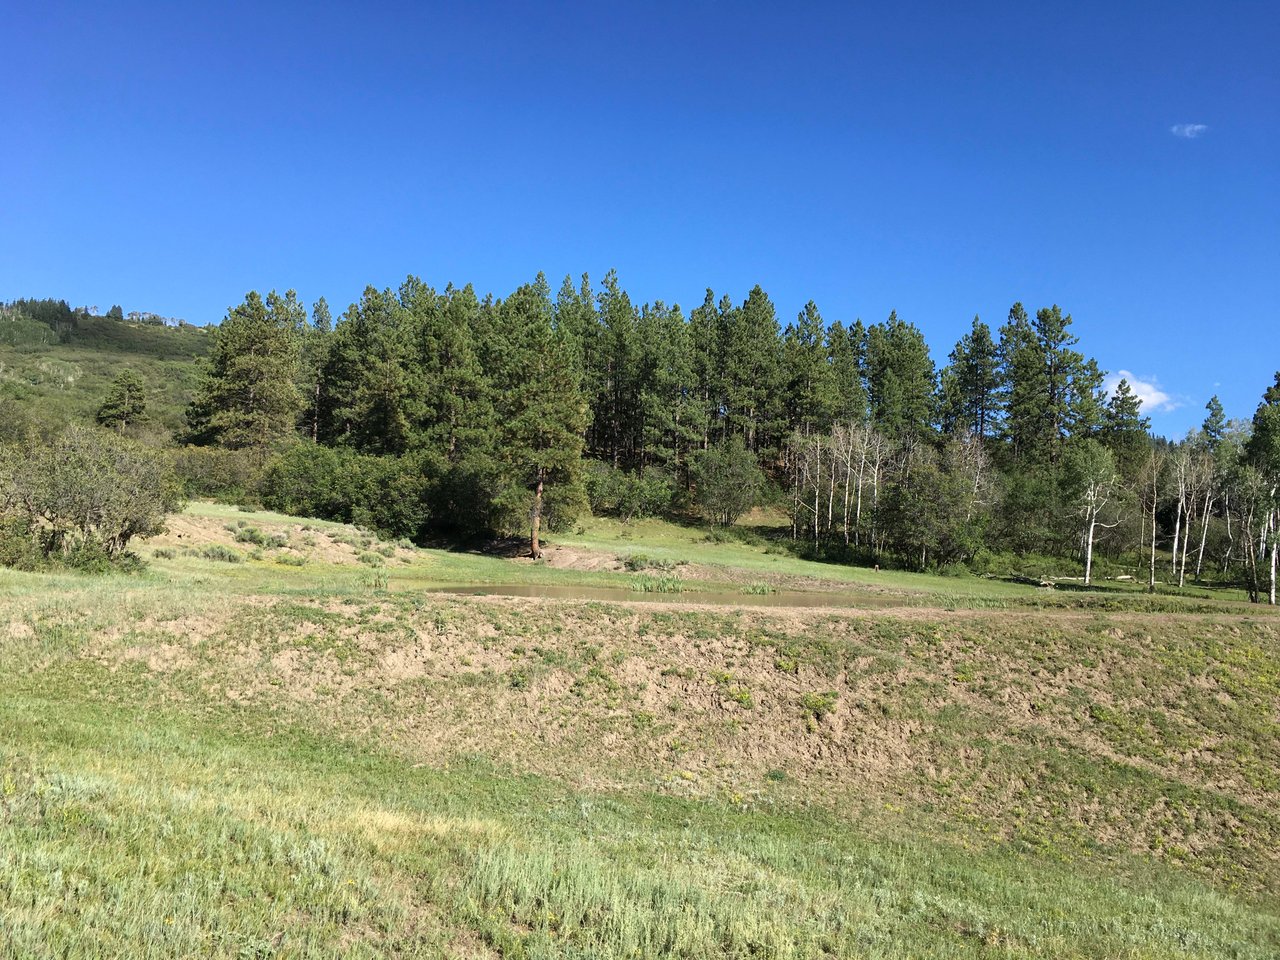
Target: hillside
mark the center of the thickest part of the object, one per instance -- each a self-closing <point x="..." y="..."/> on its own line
<point x="282" y="742"/>
<point x="55" y="382"/>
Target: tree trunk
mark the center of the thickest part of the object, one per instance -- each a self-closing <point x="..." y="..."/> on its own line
<point x="1088" y="550"/>
<point x="1204" y="534"/>
<point x="817" y="489"/>
<point x="535" y="545"/>
<point x="857" y="510"/>
<point x="1231" y="538"/>
<point x="1151" y="572"/>
<point x="831" y="496"/>
<point x="1177" y="532"/>
<point x="1272" y="526"/>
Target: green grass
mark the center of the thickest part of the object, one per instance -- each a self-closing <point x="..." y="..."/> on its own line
<point x="136" y="828"/>
<point x="262" y="760"/>
<point x="64" y="382"/>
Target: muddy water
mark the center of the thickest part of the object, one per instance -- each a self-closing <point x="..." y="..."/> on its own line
<point x="859" y="601"/>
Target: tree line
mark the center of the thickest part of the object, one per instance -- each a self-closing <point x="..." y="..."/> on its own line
<point x="429" y="412"/>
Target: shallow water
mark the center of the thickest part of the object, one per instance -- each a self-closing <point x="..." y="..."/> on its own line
<point x="856" y="601"/>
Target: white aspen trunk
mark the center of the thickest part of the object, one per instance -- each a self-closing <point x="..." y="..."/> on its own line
<point x="1186" y="542"/>
<point x="831" y="493"/>
<point x="1271" y="525"/>
<point x="875" y="498"/>
<point x="848" y="473"/>
<point x="1204" y="533"/>
<point x="973" y="497"/>
<point x="1151" y="572"/>
<point x="817" y="487"/>
<point x="862" y="472"/>
<point x="1231" y="539"/>
<point x="1177" y="531"/>
<point x="1088" y="548"/>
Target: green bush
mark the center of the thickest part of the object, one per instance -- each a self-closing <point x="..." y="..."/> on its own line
<point x="218" y="474"/>
<point x="388" y="494"/>
<point x="270" y="541"/>
<point x="637" y="562"/>
<point x="80" y="498"/>
<point x="727" y="481"/>
<point x="216" y="551"/>
<point x="629" y="496"/>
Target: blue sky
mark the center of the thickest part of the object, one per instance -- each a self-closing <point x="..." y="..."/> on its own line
<point x="939" y="159"/>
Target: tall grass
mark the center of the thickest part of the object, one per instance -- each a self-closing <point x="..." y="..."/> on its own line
<point x="665" y="583"/>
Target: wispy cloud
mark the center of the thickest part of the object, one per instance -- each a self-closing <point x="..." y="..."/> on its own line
<point x="1188" y="131"/>
<point x="1154" y="400"/>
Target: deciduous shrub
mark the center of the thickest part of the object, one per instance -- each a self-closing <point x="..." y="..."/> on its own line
<point x="727" y="481"/>
<point x="81" y="497"/>
<point x="614" y="492"/>
<point x="388" y="494"/>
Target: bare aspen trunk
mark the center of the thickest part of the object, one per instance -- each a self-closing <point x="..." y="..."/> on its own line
<point x="1204" y="533"/>
<point x="831" y="496"/>
<point x="848" y="473"/>
<point x="1186" y="542"/>
<point x="1231" y="539"/>
<point x="817" y="488"/>
<point x="857" y="516"/>
<point x="1177" y="531"/>
<point x="1088" y="550"/>
<point x="1272" y="525"/>
<point x="1151" y="572"/>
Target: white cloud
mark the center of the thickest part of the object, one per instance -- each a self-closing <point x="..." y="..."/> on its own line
<point x="1154" y="400"/>
<point x="1188" y="131"/>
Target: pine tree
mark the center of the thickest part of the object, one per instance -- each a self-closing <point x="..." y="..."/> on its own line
<point x="1124" y="429"/>
<point x="812" y="396"/>
<point x="1050" y="391"/>
<point x="371" y="391"/>
<point x="541" y="416"/>
<point x="125" y="403"/>
<point x="249" y="396"/>
<point x="314" y="352"/>
<point x="753" y="379"/>
<point x="1073" y="404"/>
<point x="667" y="392"/>
<point x="1022" y="384"/>
<point x="321" y="319"/>
<point x="707" y="351"/>
<point x="971" y="383"/>
<point x="1215" y="423"/>
<point x="619" y="401"/>
<point x="845" y="350"/>
<point x="901" y="380"/>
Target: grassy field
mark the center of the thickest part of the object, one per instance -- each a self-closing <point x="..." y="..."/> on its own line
<point x="277" y="743"/>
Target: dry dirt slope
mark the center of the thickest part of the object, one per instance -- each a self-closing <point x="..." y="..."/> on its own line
<point x="1063" y="732"/>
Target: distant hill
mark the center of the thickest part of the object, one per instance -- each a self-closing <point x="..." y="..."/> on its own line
<point x="54" y="373"/>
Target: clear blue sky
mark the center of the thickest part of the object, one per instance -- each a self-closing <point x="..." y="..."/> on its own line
<point x="943" y="159"/>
